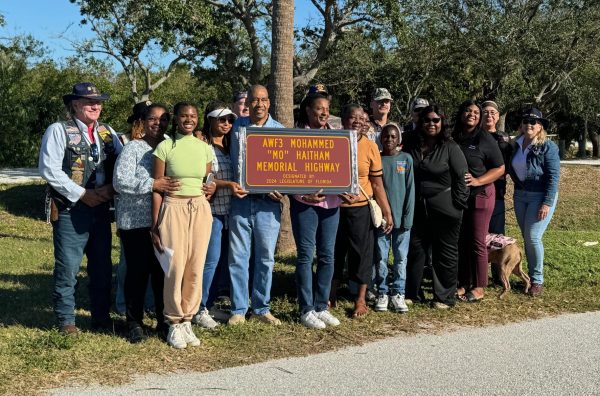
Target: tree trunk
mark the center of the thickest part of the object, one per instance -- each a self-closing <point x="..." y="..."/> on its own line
<point x="581" y="141"/>
<point x="282" y="94"/>
<point x="501" y="125"/>
<point x="595" y="139"/>
<point x="282" y="62"/>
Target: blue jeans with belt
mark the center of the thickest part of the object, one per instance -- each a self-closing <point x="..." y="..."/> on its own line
<point x="314" y="226"/>
<point x="82" y="229"/>
<point x="527" y="205"/>
<point x="254" y="223"/>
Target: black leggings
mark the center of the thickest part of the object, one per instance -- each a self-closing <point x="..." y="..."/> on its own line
<point x="141" y="263"/>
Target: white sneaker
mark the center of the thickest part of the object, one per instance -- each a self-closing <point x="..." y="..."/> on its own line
<point x="175" y="337"/>
<point x="399" y="304"/>
<point x="327" y="318"/>
<point x="188" y="334"/>
<point x="381" y="304"/>
<point x="203" y="319"/>
<point x="311" y="320"/>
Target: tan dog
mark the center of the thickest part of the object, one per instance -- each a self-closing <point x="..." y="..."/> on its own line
<point x="509" y="260"/>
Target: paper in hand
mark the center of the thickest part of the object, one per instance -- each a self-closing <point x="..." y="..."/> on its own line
<point x="164" y="258"/>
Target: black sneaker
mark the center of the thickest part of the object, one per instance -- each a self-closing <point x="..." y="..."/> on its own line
<point x="136" y="335"/>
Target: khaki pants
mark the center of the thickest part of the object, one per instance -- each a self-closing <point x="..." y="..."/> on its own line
<point x="185" y="226"/>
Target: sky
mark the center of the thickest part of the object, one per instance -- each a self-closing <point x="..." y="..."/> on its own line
<point x="49" y="21"/>
<point x="45" y="20"/>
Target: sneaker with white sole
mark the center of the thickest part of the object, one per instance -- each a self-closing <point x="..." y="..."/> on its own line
<point x="310" y="320"/>
<point x="399" y="304"/>
<point x="203" y="319"/>
<point x="327" y="318"/>
<point x="188" y="334"/>
<point x="175" y="337"/>
<point x="381" y="304"/>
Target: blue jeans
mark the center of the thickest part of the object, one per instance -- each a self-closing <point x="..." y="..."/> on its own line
<point x="254" y="222"/>
<point x="398" y="240"/>
<point x="314" y="227"/>
<point x="78" y="230"/>
<point x="213" y="258"/>
<point x="527" y="204"/>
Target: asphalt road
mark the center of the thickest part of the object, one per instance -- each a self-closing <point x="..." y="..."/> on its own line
<point x="555" y="356"/>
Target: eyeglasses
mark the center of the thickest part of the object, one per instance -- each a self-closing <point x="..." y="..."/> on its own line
<point x="94" y="152"/>
<point x="223" y="120"/>
<point x="529" y="121"/>
<point x="435" y="120"/>
<point x="492" y="113"/>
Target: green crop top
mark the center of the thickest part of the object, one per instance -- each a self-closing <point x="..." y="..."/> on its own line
<point x="185" y="160"/>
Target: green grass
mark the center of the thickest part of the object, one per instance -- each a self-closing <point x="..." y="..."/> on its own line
<point x="34" y="356"/>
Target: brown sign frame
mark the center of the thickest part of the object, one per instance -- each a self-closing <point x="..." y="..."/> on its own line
<point x="300" y="161"/>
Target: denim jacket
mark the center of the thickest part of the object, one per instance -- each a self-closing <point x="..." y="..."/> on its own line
<point x="543" y="170"/>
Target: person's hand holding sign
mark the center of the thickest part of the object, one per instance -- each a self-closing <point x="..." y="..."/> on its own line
<point x="349" y="198"/>
<point x="276" y="196"/>
<point x="315" y="197"/>
<point x="237" y="190"/>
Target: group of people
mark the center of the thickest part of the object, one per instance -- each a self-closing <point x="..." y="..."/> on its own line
<point x="192" y="233"/>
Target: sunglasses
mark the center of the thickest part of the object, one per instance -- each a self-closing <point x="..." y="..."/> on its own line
<point x="94" y="152"/>
<point x="529" y="121"/>
<point x="223" y="120"/>
<point x="435" y="120"/>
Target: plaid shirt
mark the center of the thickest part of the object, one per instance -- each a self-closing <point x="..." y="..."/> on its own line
<point x="221" y="201"/>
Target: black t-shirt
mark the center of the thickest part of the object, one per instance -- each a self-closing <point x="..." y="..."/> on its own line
<point x="443" y="167"/>
<point x="482" y="154"/>
<point x="503" y="141"/>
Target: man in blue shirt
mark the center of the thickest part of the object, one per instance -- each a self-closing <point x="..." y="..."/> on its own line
<point x="77" y="159"/>
<point x="253" y="226"/>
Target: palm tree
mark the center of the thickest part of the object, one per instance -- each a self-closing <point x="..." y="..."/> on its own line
<point x="282" y="92"/>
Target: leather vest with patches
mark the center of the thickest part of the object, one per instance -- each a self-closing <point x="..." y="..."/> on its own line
<point x="78" y="161"/>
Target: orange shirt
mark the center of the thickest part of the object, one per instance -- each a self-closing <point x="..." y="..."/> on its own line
<point x="369" y="165"/>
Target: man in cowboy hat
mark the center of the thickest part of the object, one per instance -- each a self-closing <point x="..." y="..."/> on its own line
<point x="77" y="159"/>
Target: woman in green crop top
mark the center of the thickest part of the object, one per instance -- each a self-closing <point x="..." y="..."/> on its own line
<point x="182" y="222"/>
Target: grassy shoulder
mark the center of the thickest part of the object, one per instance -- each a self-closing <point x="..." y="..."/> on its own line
<point x="34" y="356"/>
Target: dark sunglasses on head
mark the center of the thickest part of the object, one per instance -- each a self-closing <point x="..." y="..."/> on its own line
<point x="94" y="151"/>
<point x="529" y="121"/>
<point x="435" y="120"/>
<point x="222" y="120"/>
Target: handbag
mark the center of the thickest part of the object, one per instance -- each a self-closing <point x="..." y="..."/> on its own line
<point x="376" y="214"/>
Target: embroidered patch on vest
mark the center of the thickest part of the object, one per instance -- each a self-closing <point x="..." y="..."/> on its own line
<point x="74" y="138"/>
<point x="70" y="128"/>
<point x="77" y="164"/>
<point x="77" y="177"/>
<point x="105" y="134"/>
